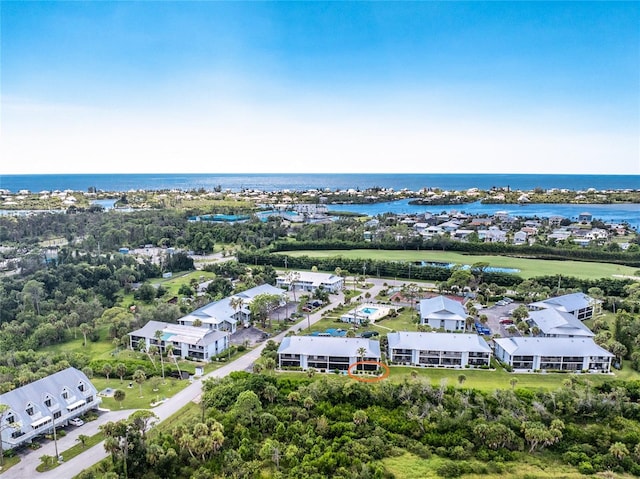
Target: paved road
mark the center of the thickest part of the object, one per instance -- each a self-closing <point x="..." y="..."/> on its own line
<point x="26" y="469"/>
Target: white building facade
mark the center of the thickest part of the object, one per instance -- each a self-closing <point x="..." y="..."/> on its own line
<point x="327" y="354"/>
<point x="558" y="354"/>
<point x="36" y="408"/>
<point x="438" y="349"/>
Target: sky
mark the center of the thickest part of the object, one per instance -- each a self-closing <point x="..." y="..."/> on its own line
<point x="319" y="87"/>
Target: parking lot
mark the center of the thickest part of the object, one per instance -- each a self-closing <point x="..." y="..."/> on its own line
<point x="495" y="314"/>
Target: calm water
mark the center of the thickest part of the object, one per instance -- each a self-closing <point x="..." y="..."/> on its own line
<point x="297" y="182"/>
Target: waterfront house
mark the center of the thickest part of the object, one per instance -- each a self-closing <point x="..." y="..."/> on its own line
<point x="36" y="408"/>
<point x="438" y="349"/>
<point x="441" y="312"/>
<point x="327" y="353"/>
<point x="558" y="354"/>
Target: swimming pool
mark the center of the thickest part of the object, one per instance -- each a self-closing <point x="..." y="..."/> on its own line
<point x="367" y="311"/>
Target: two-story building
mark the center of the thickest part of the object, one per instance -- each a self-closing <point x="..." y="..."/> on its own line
<point x="438" y="349"/>
<point x="558" y="354"/>
<point x="579" y="305"/>
<point x="200" y="343"/>
<point x="327" y="353"/>
<point x="441" y="312"/>
<point x="309" y="281"/>
<point x="36" y="408"/>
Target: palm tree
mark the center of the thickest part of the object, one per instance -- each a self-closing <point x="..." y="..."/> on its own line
<point x="236" y="304"/>
<point x="361" y="351"/>
<point x="82" y="439"/>
<point x="85" y="329"/>
<point x="158" y="335"/>
<point x="121" y="370"/>
<point x="139" y="377"/>
<point x="119" y="396"/>
<point x="106" y="370"/>
<point x="169" y="349"/>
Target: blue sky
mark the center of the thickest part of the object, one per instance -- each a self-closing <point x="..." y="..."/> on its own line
<point x="217" y="87"/>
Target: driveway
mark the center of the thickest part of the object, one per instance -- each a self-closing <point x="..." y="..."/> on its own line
<point x="31" y="459"/>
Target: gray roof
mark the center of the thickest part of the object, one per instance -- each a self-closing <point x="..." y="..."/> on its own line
<point x="441" y="307"/>
<point x="438" y="342"/>
<point x="328" y="346"/>
<point x="553" y="321"/>
<point x="551" y="347"/>
<point x="249" y="294"/>
<point x="179" y="333"/>
<point x="52" y="385"/>
<point x="567" y="303"/>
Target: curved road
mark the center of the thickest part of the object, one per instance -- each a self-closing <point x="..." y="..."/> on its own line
<point x="26" y="468"/>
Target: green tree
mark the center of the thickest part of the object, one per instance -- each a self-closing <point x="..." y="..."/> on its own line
<point x="119" y="396"/>
<point x="139" y="377"/>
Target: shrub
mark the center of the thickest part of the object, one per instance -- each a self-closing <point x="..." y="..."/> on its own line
<point x="585" y="467"/>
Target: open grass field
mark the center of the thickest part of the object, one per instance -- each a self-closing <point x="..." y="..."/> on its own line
<point x="410" y="466"/>
<point x="101" y="349"/>
<point x="132" y="399"/>
<point x="529" y="268"/>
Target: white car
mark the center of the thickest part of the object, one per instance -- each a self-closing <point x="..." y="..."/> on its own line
<point x="76" y="421"/>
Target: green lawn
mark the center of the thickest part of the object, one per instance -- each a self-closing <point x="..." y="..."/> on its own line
<point x="101" y="349"/>
<point x="132" y="395"/>
<point x="528" y="267"/>
<point x="410" y="466"/>
<point x="8" y="462"/>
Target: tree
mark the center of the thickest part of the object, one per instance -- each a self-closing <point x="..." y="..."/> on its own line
<point x="461" y="379"/>
<point x="618" y="450"/>
<point x="169" y="349"/>
<point x="121" y="370"/>
<point x="119" y="396"/>
<point x="139" y="377"/>
<point x="247" y="406"/>
<point x="520" y="313"/>
<point x="158" y="336"/>
<point x="361" y="351"/>
<point x="85" y="329"/>
<point x="360" y="417"/>
<point x="82" y="439"/>
<point x="262" y="305"/>
<point x="4" y="414"/>
<point x="106" y="370"/>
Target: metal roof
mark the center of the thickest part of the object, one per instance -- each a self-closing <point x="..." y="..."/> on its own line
<point x="552" y="321"/>
<point x="567" y="303"/>
<point x="329" y="346"/>
<point x="551" y="347"/>
<point x="441" y="307"/>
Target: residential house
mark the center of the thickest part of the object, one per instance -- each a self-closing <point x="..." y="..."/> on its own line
<point x="578" y="304"/>
<point x="438" y="349"/>
<point x="520" y="237"/>
<point x="327" y="353"/>
<point x="441" y="312"/>
<point x="200" y="343"/>
<point x="224" y="315"/>
<point x="559" y="354"/>
<point x="36" y="408"/>
<point x="555" y="221"/>
<point x="585" y="217"/>
<point x="553" y="323"/>
<point x="308" y="281"/>
<point x="492" y="235"/>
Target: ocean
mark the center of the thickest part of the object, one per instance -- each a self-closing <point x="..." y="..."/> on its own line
<point x="299" y="182"/>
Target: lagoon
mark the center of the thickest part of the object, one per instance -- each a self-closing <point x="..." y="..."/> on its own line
<point x="615" y="213"/>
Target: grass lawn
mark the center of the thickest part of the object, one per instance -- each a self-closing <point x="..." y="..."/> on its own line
<point x="172" y="285"/>
<point x="528" y="267"/>
<point x="410" y="466"/>
<point x="73" y="452"/>
<point x="132" y="398"/>
<point x="101" y="349"/>
<point x="8" y="463"/>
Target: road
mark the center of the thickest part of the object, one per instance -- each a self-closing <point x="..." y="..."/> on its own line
<point x="26" y="468"/>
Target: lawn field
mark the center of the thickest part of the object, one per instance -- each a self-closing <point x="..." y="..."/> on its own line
<point x="529" y="268"/>
<point x="410" y="466"/>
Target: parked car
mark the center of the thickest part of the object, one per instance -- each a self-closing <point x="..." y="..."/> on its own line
<point x="369" y="334"/>
<point x="506" y="321"/>
<point x="76" y="421"/>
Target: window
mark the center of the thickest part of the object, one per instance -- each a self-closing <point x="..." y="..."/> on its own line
<point x="47" y="401"/>
<point x="29" y="409"/>
<point x="10" y="418"/>
<point x="90" y="399"/>
<point x="81" y="386"/>
<point x="57" y="414"/>
<point x="65" y="393"/>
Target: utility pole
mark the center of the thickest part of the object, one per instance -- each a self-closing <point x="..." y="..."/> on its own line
<point x="55" y="436"/>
